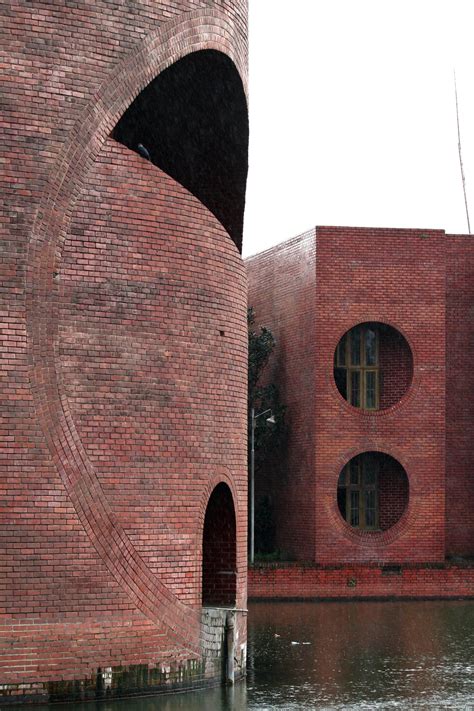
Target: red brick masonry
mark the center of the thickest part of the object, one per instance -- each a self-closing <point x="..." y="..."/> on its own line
<point x="298" y="581"/>
<point x="123" y="348"/>
<point x="310" y="291"/>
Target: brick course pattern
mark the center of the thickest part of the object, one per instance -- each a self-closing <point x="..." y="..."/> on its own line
<point x="420" y="283"/>
<point x="123" y="349"/>
<point x="299" y="582"/>
<point x="281" y="290"/>
<point x="460" y="400"/>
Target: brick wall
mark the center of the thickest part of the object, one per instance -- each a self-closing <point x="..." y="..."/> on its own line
<point x="281" y="289"/>
<point x="279" y="581"/>
<point x="123" y="348"/>
<point x="393" y="492"/>
<point x="460" y="396"/>
<point x="393" y="277"/>
<point x="396" y="367"/>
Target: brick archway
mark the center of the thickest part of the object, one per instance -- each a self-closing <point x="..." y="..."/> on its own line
<point x="219" y="555"/>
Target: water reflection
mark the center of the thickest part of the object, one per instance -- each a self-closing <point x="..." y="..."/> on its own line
<point x="361" y="655"/>
<point x="217" y="699"/>
<point x="342" y="656"/>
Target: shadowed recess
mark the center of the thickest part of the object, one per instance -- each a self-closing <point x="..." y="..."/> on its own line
<point x="373" y="366"/>
<point x="372" y="491"/>
<point x="219" y="561"/>
<point x="192" y="122"/>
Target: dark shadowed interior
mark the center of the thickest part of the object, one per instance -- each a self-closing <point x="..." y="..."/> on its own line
<point x="192" y="122"/>
<point x="372" y="491"/>
<point x="219" y="580"/>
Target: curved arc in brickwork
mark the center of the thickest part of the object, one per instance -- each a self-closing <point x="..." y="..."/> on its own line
<point x="370" y="539"/>
<point x="198" y="30"/>
<point x="216" y="531"/>
<point x="222" y="476"/>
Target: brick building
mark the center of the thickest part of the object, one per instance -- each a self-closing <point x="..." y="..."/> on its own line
<point x="375" y="341"/>
<point x="124" y="344"/>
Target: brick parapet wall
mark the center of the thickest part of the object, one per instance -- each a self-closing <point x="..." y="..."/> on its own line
<point x="296" y="581"/>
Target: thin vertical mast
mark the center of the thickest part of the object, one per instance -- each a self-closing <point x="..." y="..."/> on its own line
<point x="460" y="157"/>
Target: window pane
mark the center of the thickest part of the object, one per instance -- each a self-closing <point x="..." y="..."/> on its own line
<point x="354" y="513"/>
<point x="340" y="378"/>
<point x="370" y="470"/>
<point x="354" y="472"/>
<point x="342" y="478"/>
<point x="370" y="347"/>
<point x="355" y="388"/>
<point x="341" y="352"/>
<point x="341" y="501"/>
<point x="355" y="346"/>
<point x="371" y="389"/>
<point x="370" y="518"/>
<point x="369" y="477"/>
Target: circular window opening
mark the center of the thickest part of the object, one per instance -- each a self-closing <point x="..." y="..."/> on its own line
<point x="372" y="491"/>
<point x="373" y="366"/>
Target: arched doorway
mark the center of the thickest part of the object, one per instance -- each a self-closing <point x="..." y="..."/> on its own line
<point x="219" y="559"/>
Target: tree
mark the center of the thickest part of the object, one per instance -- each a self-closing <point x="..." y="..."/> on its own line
<point x="269" y="440"/>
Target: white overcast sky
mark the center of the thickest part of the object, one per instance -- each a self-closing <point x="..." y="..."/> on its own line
<point x="352" y="115"/>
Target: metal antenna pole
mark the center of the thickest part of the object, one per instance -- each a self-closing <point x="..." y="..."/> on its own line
<point x="460" y="158"/>
<point x="252" y="486"/>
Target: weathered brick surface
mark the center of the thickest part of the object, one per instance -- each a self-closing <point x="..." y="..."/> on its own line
<point x="419" y="282"/>
<point x="123" y="350"/>
<point x="396" y="364"/>
<point x="395" y="277"/>
<point x="460" y="396"/>
<point x="214" y="624"/>
<point x="281" y="290"/>
<point x="393" y="494"/>
<point x="360" y="581"/>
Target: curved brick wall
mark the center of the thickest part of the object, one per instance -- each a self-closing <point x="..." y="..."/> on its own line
<point x="122" y="357"/>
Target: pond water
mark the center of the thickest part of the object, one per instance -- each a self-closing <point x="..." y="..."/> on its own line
<point x="342" y="656"/>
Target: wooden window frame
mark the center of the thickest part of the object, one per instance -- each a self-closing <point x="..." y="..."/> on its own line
<point x="361" y="487"/>
<point x="343" y="361"/>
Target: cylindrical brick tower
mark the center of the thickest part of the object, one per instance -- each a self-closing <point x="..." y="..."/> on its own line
<point x="124" y="345"/>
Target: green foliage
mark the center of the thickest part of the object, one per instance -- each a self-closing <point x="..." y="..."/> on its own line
<point x="261" y="345"/>
<point x="269" y="440"/>
<point x="265" y="526"/>
<point x="275" y="556"/>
